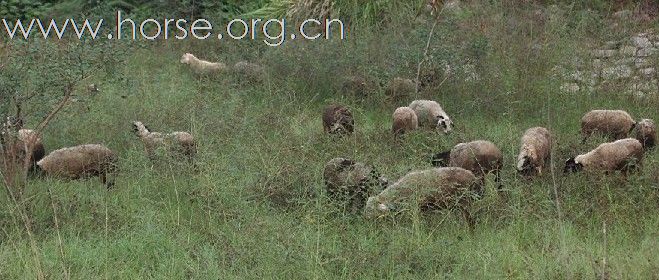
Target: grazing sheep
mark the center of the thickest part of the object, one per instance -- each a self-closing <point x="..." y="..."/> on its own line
<point x="338" y="119"/>
<point x="614" y="124"/>
<point x="431" y="114"/>
<point x="624" y="155"/>
<point x="534" y="152"/>
<point x="436" y="188"/>
<point x="202" y="67"/>
<point x="405" y="120"/>
<point x="81" y="162"/>
<point x="351" y="182"/>
<point x="480" y="157"/>
<point x="646" y="133"/>
<point x="177" y="143"/>
<point x="400" y="88"/>
<point x="252" y="71"/>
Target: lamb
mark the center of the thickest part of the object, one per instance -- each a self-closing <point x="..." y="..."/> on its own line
<point x="81" y="162"/>
<point x="646" y="133"/>
<point x="202" y="67"/>
<point x="405" y="120"/>
<point x="350" y="182"/>
<point x="480" y="157"/>
<point x="177" y="143"/>
<point x="534" y="152"/>
<point x="434" y="188"/>
<point x="431" y="114"/>
<point x="614" y="124"/>
<point x="624" y="155"/>
<point x="338" y="119"/>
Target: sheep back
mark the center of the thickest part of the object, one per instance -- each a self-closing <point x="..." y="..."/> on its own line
<point x="614" y="124"/>
<point x="428" y="189"/>
<point x="535" y="150"/>
<point x="80" y="161"/>
<point x="404" y="120"/>
<point x="622" y="154"/>
<point x="479" y="157"/>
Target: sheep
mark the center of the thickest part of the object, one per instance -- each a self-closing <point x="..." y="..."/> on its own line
<point x="202" y="67"/>
<point x="405" y="120"/>
<point x="177" y="143"/>
<point x="534" y="152"/>
<point x="400" y="88"/>
<point x="646" y="133"/>
<point x="434" y="188"/>
<point x="337" y="119"/>
<point x="431" y="114"/>
<point x="252" y="71"/>
<point x="624" y="155"/>
<point x="350" y="182"/>
<point x="358" y="86"/>
<point x="81" y="162"/>
<point x="480" y="157"/>
<point x="614" y="124"/>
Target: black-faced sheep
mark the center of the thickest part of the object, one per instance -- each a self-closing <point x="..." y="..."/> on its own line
<point x="480" y="157"/>
<point x="436" y="188"/>
<point x="177" y="143"/>
<point x="534" y="152"/>
<point x="400" y="88"/>
<point x="351" y="183"/>
<point x="431" y="114"/>
<point x="624" y="155"/>
<point x="202" y="67"/>
<point x="81" y="162"/>
<point x="614" y="124"/>
<point x="338" y="119"/>
<point x="646" y="133"/>
<point x="404" y="120"/>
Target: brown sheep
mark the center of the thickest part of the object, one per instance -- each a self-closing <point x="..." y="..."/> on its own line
<point x="81" y="162"/>
<point x="624" y="155"/>
<point x="614" y="124"/>
<point x="646" y="133"/>
<point x="480" y="157"/>
<point x="534" y="152"/>
<point x="404" y="120"/>
<point x="338" y="119"/>
<point x="436" y="188"/>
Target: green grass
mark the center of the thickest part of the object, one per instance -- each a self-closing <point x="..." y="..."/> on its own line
<point x="256" y="207"/>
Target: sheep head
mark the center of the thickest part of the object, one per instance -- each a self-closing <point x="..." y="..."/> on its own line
<point x="440" y="159"/>
<point x="444" y="124"/>
<point x="524" y="166"/>
<point x="139" y="128"/>
<point x="572" y="166"/>
<point x="187" y="58"/>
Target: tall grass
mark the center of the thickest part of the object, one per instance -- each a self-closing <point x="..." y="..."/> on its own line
<point x="257" y="207"/>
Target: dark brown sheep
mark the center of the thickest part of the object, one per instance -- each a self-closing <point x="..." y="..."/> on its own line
<point x="337" y="119"/>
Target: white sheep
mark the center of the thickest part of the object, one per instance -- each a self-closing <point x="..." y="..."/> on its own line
<point x="177" y="143"/>
<point x="350" y="182"/>
<point x="202" y="67"/>
<point x="431" y="114"/>
<point x="428" y="189"/>
<point x="646" y="133"/>
<point x="624" y="155"/>
<point x="404" y="120"/>
<point x="81" y="162"/>
<point x="614" y="124"/>
<point x="480" y="157"/>
<point x="535" y="151"/>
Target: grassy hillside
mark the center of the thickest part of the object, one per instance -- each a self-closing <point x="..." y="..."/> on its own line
<point x="256" y="206"/>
